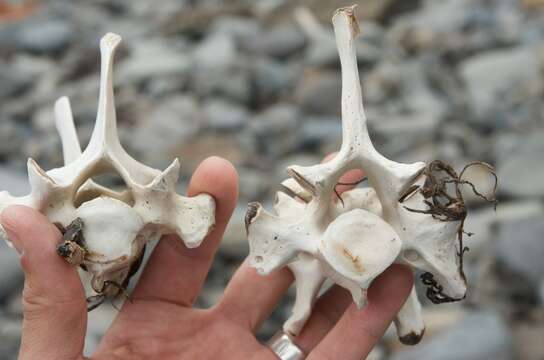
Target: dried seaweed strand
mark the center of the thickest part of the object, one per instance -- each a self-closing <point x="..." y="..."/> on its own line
<point x="346" y="184"/>
<point x="446" y="207"/>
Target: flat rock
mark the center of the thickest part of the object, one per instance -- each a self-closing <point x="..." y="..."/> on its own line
<point x="234" y="243"/>
<point x="275" y="129"/>
<point x="280" y="42"/>
<point x="11" y="275"/>
<point x="521" y="169"/>
<point x="479" y="336"/>
<point x="152" y="59"/>
<point x="174" y="121"/>
<point x="520" y="247"/>
<point x="320" y="92"/>
<point x="14" y="182"/>
<point x="492" y="74"/>
<point x="222" y="115"/>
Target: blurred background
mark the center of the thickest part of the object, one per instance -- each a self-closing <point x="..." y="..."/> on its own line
<point x="258" y="82"/>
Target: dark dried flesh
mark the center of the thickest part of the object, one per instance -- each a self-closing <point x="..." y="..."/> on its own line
<point x="73" y="250"/>
<point x="445" y="205"/>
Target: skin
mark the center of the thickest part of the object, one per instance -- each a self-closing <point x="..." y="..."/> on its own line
<point x="161" y="322"/>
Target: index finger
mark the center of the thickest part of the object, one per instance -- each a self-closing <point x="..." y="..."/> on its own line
<point x="175" y="273"/>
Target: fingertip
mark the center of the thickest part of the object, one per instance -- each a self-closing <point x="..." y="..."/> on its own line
<point x="215" y="176"/>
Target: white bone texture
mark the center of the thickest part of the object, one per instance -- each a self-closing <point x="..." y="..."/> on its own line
<point x="115" y="225"/>
<point x="353" y="240"/>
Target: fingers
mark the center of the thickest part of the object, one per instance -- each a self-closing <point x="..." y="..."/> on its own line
<point x="174" y="273"/>
<point x="54" y="307"/>
<point x="328" y="309"/>
<point x="250" y="298"/>
<point x="358" y="331"/>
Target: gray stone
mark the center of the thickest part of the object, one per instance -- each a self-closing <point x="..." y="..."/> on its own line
<point x="479" y="336"/>
<point x="152" y="59"/>
<point x="317" y="130"/>
<point x="234" y="243"/>
<point x="10" y="337"/>
<point x="280" y="42"/>
<point x="520" y="247"/>
<point x="254" y="183"/>
<point x="320" y="92"/>
<point x="218" y="50"/>
<point x="242" y="29"/>
<point x="323" y="52"/>
<point x="45" y="36"/>
<point x="220" y="70"/>
<point x="272" y="79"/>
<point x="491" y="75"/>
<point x="541" y="292"/>
<point x="172" y="122"/>
<point x="11" y="138"/>
<point x="11" y="275"/>
<point x="275" y="129"/>
<point x="521" y="169"/>
<point x="224" y="116"/>
<point x="13" y="81"/>
<point x="14" y="182"/>
<point x="480" y="222"/>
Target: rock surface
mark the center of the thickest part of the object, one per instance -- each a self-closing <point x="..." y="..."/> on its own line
<point x="259" y="84"/>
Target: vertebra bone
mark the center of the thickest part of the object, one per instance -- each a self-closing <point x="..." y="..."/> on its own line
<point x="115" y="226"/>
<point x="400" y="210"/>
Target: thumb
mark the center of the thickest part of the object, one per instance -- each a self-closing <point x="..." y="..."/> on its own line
<point x="54" y="306"/>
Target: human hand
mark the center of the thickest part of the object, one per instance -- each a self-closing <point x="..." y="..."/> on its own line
<point x="161" y="323"/>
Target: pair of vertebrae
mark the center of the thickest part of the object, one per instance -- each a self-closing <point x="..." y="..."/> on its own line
<point x="105" y="231"/>
<point x="408" y="216"/>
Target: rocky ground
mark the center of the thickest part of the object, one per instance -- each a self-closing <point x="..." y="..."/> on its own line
<point x="259" y="84"/>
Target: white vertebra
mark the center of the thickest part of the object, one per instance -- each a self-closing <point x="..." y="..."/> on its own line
<point x="353" y="241"/>
<point x="116" y="225"/>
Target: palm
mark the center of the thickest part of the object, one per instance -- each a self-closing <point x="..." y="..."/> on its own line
<point x="160" y="330"/>
<point x="161" y="322"/>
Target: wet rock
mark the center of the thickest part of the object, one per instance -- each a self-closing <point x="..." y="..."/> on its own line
<point x="479" y="336"/>
<point x="521" y="169"/>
